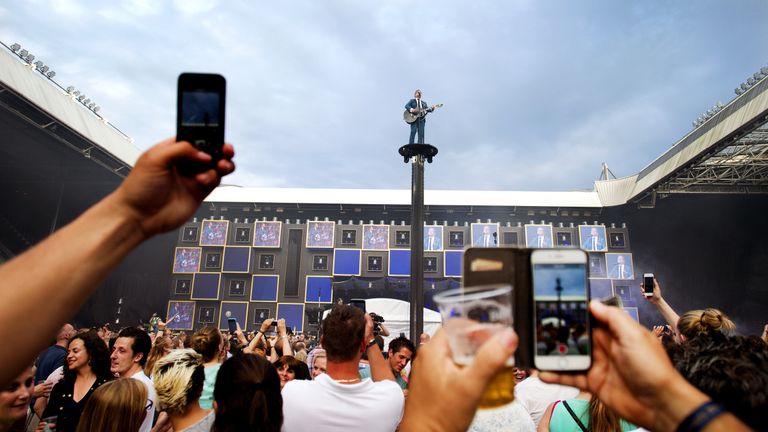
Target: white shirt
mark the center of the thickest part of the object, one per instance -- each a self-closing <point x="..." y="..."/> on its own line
<point x="325" y="405"/>
<point x="146" y="425"/>
<point x="535" y="396"/>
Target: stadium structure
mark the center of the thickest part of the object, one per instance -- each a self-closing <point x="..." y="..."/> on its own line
<point x="694" y="217"/>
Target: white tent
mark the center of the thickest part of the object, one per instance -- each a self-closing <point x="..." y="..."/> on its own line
<point x="397" y="317"/>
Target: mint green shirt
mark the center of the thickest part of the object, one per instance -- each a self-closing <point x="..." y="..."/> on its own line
<point x="206" y="398"/>
<point x="562" y="421"/>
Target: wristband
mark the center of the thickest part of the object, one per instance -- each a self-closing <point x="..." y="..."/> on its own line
<point x="371" y="343"/>
<point x="701" y="417"/>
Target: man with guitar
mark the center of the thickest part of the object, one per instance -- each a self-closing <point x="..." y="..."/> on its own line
<point x="415" y="114"/>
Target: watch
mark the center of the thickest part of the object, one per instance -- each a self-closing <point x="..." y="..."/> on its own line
<point x="371" y="343"/>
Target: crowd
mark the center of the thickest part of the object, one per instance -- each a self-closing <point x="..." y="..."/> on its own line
<point x="692" y="375"/>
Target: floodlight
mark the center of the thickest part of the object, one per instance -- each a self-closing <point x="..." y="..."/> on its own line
<point x="86" y="102"/>
<point x="764" y="70"/>
<point x="51" y="74"/>
<point x="15" y="47"/>
<point x="30" y="58"/>
<point x="70" y="89"/>
<point x="38" y="64"/>
<point x="91" y="105"/>
<point x="738" y="90"/>
<point x="744" y="86"/>
<point x="81" y="97"/>
<point x="23" y="53"/>
<point x="758" y="76"/>
<point x="44" y="69"/>
<point x="96" y="109"/>
<point x="751" y="81"/>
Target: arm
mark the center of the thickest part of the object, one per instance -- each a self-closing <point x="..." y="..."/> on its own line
<point x="259" y="335"/>
<point x="632" y="375"/>
<point x="154" y="198"/>
<point x="664" y="308"/>
<point x="380" y="369"/>
<point x="384" y="330"/>
<point x="283" y="339"/>
<point x="544" y="423"/>
<point x="444" y="397"/>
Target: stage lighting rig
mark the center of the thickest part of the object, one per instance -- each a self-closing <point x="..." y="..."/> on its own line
<point x="15" y="47"/>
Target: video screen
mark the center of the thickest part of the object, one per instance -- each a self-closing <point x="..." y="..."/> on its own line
<point x="485" y="234"/>
<point x="320" y="235"/>
<point x="620" y="266"/>
<point x="433" y="238"/>
<point x="200" y="108"/>
<point x="538" y="236"/>
<point x="560" y="297"/>
<point x="376" y="237"/>
<point x="183" y="314"/>
<point x="267" y="234"/>
<point x="187" y="260"/>
<point x="593" y="238"/>
<point x="214" y="233"/>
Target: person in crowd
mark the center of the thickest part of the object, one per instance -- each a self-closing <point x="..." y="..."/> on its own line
<point x="300" y="351"/>
<point x="85" y="370"/>
<point x="535" y="395"/>
<point x="247" y="396"/>
<point x="129" y="357"/>
<point x="521" y="374"/>
<point x="117" y="406"/>
<point x="161" y="347"/>
<point x="14" y="401"/>
<point x="289" y="368"/>
<point x="154" y="198"/>
<point x="658" y="301"/>
<point x="400" y="352"/>
<point x="54" y="356"/>
<point x="371" y="405"/>
<point x="584" y="412"/>
<point x="209" y="344"/>
<point x="631" y="374"/>
<point x="319" y="363"/>
<point x="178" y="379"/>
<point x="708" y="322"/>
<point x="732" y="371"/>
<point x="281" y="346"/>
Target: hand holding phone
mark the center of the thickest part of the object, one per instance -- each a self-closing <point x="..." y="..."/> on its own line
<point x="648" y="280"/>
<point x="232" y="323"/>
<point x="200" y="113"/>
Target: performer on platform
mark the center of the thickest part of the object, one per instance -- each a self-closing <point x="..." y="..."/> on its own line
<point x="156" y="323"/>
<point x="414" y="106"/>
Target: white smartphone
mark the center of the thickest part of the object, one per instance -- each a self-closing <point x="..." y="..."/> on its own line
<point x="648" y="284"/>
<point x="561" y="310"/>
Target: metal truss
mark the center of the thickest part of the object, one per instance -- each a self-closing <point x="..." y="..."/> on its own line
<point x="739" y="167"/>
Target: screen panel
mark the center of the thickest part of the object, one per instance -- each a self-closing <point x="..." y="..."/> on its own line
<point x="237" y="310"/>
<point x="320" y="234"/>
<point x="453" y="267"/>
<point x="264" y="288"/>
<point x="214" y="233"/>
<point x="187" y="259"/>
<point x="400" y="262"/>
<point x="293" y="314"/>
<point x="237" y="259"/>
<point x="205" y="286"/>
<point x="346" y="262"/>
<point x="592" y="238"/>
<point x="183" y="314"/>
<point x="267" y="234"/>
<point x="319" y="289"/>
<point x="375" y="237"/>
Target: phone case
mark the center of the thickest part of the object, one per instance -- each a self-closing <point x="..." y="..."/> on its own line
<point x="486" y="266"/>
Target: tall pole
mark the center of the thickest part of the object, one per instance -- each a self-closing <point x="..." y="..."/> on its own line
<point x="417" y="154"/>
<point x="417" y="247"/>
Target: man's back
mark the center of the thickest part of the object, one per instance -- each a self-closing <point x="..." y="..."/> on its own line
<point x="325" y="405"/>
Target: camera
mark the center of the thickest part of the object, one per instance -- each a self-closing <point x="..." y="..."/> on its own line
<point x="377" y="320"/>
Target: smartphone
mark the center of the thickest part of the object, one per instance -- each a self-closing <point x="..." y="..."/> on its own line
<point x="358" y="303"/>
<point x="232" y="323"/>
<point x="561" y="310"/>
<point x="648" y="284"/>
<point x="200" y="107"/>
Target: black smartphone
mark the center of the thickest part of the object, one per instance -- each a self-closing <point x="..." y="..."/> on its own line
<point x="648" y="284"/>
<point x="232" y="323"/>
<point x="561" y="310"/>
<point x="358" y="303"/>
<point x="200" y="108"/>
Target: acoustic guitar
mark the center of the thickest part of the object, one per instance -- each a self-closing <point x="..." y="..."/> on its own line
<point x="410" y="117"/>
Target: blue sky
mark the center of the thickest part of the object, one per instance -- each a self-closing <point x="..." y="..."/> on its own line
<point x="537" y="94"/>
<point x="572" y="279"/>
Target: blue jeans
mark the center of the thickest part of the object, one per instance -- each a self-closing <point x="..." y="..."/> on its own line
<point x="417" y="126"/>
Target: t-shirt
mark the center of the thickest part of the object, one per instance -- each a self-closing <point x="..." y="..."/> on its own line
<point x="535" y="396"/>
<point x="204" y="425"/>
<point x="146" y="425"/>
<point x="325" y="405"/>
<point x="206" y="397"/>
<point x="365" y="373"/>
<point x="563" y="421"/>
<point x="52" y="358"/>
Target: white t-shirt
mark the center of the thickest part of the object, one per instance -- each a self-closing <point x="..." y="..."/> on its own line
<point x="535" y="396"/>
<point x="146" y="425"/>
<point x="325" y="405"/>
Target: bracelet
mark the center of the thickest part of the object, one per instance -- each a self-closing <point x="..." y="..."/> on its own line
<point x="701" y="417"/>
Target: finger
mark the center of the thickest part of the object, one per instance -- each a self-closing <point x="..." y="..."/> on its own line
<point x="228" y="151"/>
<point x="618" y="322"/>
<point x="578" y="381"/>
<point x="166" y="142"/>
<point x="169" y="153"/>
<point x="492" y="356"/>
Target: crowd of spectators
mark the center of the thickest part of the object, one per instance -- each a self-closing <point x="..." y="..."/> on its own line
<point x="694" y="374"/>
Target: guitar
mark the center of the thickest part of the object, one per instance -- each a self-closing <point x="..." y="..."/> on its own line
<point x="410" y="117"/>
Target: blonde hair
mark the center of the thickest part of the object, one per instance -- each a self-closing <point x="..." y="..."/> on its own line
<point x="178" y="379"/>
<point x="116" y="406"/>
<point x="156" y="353"/>
<point x="704" y="322"/>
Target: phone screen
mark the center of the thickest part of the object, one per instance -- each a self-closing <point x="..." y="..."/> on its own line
<point x="648" y="284"/>
<point x="360" y="304"/>
<point x="232" y="323"/>
<point x="200" y="111"/>
<point x="560" y="295"/>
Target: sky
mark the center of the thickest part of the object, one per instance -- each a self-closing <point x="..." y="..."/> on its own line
<point x="537" y="95"/>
